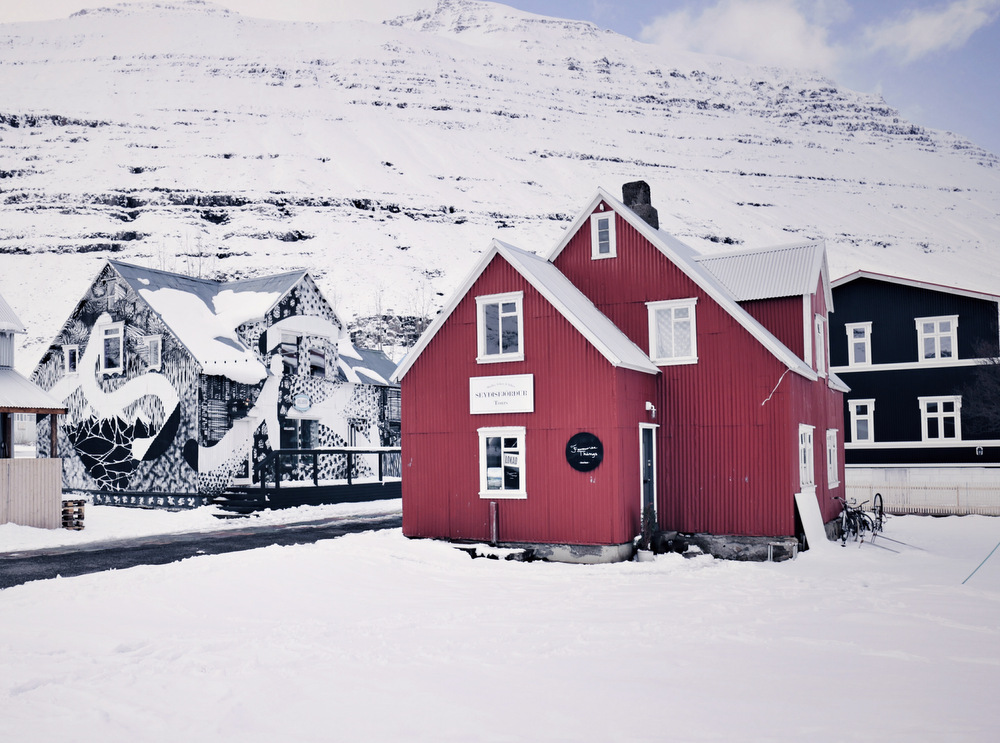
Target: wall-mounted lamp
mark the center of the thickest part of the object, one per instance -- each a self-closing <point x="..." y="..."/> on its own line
<point x="651" y="410"/>
<point x="979" y="451"/>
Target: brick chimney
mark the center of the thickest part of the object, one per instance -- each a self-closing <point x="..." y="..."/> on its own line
<point x="636" y="197"/>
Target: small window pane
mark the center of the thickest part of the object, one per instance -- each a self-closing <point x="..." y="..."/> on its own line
<point x="510" y="340"/>
<point x="491" y="324"/>
<point x="946" y="347"/>
<point x="933" y="432"/>
<point x="862" y="430"/>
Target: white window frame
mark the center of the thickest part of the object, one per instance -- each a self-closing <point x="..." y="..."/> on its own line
<point x="865" y="342"/>
<point x="115" y="328"/>
<point x="595" y="240"/>
<point x="154" y="341"/>
<point x="807" y="457"/>
<point x="852" y="407"/>
<point x="926" y="415"/>
<point x="73" y="350"/>
<point x="673" y="305"/>
<point x="819" y="333"/>
<point x="503" y="432"/>
<point x="832" y="471"/>
<point x="482" y="303"/>
<point x="936" y="336"/>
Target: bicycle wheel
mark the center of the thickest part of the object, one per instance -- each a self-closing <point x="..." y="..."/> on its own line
<point x="844" y="518"/>
<point x="879" y="511"/>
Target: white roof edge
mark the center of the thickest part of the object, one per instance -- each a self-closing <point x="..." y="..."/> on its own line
<point x="916" y="283"/>
<point x="778" y="349"/>
<point x="838" y="384"/>
<point x="510" y="254"/>
<point x="640" y="363"/>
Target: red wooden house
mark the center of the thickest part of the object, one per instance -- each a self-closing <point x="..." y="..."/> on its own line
<point x="552" y="399"/>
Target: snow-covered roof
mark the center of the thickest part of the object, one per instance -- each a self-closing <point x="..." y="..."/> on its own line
<point x="768" y="273"/>
<point x="560" y="292"/>
<point x="17" y="393"/>
<point x="364" y="365"/>
<point x="685" y="258"/>
<point x="204" y="314"/>
<point x="8" y="320"/>
<point x="916" y="283"/>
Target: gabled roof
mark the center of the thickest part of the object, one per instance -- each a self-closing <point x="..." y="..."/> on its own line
<point x="916" y="283"/>
<point x="364" y="365"/>
<point x="560" y="292"/>
<point x="204" y="314"/>
<point x="8" y="320"/>
<point x="685" y="258"/>
<point x="768" y="273"/>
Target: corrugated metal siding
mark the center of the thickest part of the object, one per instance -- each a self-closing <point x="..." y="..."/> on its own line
<point x="576" y="389"/>
<point x="31" y="492"/>
<point x="728" y="461"/>
<point x="783" y="317"/>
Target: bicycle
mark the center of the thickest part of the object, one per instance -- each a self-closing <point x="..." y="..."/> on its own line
<point x="854" y="522"/>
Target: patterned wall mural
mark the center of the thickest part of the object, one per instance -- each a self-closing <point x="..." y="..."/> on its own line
<point x="146" y="425"/>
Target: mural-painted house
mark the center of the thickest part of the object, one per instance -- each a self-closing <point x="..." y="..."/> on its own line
<point x="177" y="386"/>
<point x="911" y="351"/>
<point x="555" y="400"/>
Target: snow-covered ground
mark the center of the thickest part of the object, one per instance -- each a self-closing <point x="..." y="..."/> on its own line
<point x="378" y="638"/>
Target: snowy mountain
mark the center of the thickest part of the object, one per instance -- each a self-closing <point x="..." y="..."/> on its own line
<point x="385" y="156"/>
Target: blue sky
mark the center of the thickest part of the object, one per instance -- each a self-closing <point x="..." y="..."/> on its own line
<point x="937" y="61"/>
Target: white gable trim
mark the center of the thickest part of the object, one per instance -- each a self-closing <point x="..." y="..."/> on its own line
<point x="662" y="242"/>
<point x="639" y="362"/>
<point x="915" y="283"/>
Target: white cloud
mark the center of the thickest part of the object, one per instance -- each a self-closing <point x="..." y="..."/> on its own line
<point x="769" y="32"/>
<point x="920" y="32"/>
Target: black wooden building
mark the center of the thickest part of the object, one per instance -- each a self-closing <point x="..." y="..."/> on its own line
<point x="911" y="352"/>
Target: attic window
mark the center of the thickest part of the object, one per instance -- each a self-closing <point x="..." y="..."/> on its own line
<point x="71" y="359"/>
<point x="602" y="236"/>
<point x="112" y="338"/>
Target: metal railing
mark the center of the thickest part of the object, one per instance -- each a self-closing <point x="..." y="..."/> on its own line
<point x="388" y="462"/>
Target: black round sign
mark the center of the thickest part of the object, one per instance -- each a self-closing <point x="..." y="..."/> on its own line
<point x="584" y="451"/>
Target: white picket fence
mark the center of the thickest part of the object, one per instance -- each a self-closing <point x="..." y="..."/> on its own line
<point x="935" y="491"/>
<point x="31" y="492"/>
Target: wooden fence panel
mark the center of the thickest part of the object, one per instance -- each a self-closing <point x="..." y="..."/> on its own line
<point x="31" y="492"/>
<point x="931" y="491"/>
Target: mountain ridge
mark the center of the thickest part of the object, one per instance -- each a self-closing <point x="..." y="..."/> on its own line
<point x="384" y="157"/>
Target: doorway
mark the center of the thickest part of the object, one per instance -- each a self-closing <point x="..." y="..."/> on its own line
<point x="647" y="469"/>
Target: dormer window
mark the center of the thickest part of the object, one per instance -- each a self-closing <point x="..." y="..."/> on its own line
<point x="602" y="235"/>
<point x="290" y="353"/>
<point x="500" y="328"/>
<point x="937" y="337"/>
<point x="317" y="361"/>
<point x="154" y="352"/>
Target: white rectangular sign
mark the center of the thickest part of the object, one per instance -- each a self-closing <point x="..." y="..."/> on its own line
<point x="514" y="393"/>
